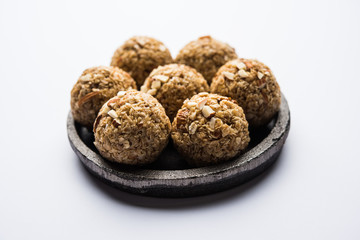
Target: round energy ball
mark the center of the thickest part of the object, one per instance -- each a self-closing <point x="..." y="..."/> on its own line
<point x="172" y="84"/>
<point x="139" y="56"/>
<point x="131" y="128"/>
<point x="206" y="55"/>
<point x="210" y="129"/>
<point x="252" y="84"/>
<point x="94" y="87"/>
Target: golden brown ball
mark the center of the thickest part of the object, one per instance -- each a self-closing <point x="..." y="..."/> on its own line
<point x="206" y="55"/>
<point x="94" y="87"/>
<point x="252" y="84"/>
<point x="139" y="56"/>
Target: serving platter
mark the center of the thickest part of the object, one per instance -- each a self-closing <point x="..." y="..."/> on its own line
<point x="170" y="176"/>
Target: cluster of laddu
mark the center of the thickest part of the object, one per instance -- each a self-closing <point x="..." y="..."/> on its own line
<point x="205" y="99"/>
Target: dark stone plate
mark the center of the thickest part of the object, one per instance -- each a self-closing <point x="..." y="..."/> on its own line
<point x="170" y="176"/>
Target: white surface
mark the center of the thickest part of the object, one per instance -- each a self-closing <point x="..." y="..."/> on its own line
<point x="311" y="193"/>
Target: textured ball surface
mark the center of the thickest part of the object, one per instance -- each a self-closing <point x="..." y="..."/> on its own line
<point x="139" y="56"/>
<point x="94" y="87"/>
<point x="253" y="85"/>
<point x="206" y="55"/>
<point x="131" y="128"/>
<point x="210" y="129"/>
<point x="172" y="84"/>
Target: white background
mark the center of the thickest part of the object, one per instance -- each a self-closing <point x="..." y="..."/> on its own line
<point x="312" y="192"/>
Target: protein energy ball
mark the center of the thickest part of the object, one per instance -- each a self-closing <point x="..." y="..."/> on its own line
<point x="172" y="84"/>
<point x="94" y="87"/>
<point x="206" y="55"/>
<point x="253" y="85"/>
<point x="210" y="129"/>
<point x="139" y="56"/>
<point x="131" y="128"/>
